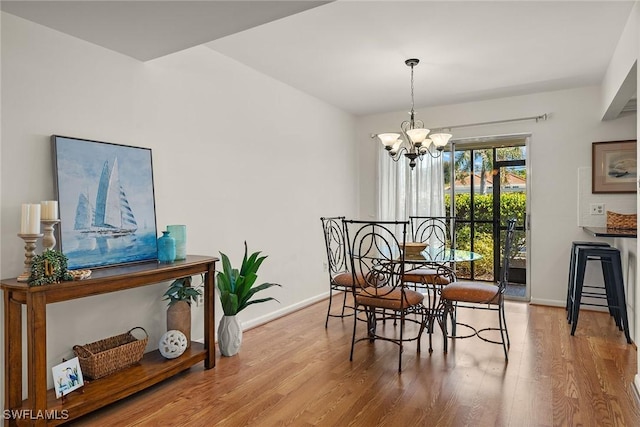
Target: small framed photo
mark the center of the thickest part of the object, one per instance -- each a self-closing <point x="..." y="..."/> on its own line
<point x="67" y="377"/>
<point x="614" y="167"/>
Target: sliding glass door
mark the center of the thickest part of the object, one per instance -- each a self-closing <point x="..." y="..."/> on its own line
<point x="488" y="181"/>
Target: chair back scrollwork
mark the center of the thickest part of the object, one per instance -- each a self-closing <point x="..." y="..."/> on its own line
<point x="433" y="230"/>
<point x="334" y="239"/>
<point x="375" y="251"/>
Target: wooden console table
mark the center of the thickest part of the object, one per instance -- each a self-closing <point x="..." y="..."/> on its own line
<point x="153" y="368"/>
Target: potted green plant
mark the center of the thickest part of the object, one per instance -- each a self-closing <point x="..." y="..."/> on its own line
<point x="180" y="295"/>
<point x="237" y="288"/>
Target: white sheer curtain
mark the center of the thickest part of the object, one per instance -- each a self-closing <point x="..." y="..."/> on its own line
<point x="403" y="192"/>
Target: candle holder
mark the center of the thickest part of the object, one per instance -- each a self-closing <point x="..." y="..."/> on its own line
<point x="49" y="239"/>
<point x="29" y="252"/>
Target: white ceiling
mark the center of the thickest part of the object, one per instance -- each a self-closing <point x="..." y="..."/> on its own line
<point x="149" y="29"/>
<point x="351" y="53"/>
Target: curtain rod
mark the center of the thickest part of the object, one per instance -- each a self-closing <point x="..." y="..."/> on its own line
<point x="519" y="119"/>
<point x="542" y="117"/>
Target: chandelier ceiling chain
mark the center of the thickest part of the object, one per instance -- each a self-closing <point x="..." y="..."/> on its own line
<point x="412" y="100"/>
<point x="415" y="143"/>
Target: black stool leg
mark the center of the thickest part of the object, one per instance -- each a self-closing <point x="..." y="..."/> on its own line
<point x="611" y="291"/>
<point x="572" y="275"/>
<point x="577" y="289"/>
<point x="622" y="303"/>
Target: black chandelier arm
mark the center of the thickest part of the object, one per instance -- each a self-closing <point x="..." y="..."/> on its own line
<point x="427" y="150"/>
<point x="396" y="155"/>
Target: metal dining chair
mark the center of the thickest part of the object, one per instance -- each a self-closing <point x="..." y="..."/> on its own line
<point x="482" y="295"/>
<point x="435" y="232"/>
<point x="377" y="266"/>
<point x="340" y="277"/>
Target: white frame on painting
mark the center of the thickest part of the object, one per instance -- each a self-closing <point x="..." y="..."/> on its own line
<point x="67" y="376"/>
<point x="107" y="203"/>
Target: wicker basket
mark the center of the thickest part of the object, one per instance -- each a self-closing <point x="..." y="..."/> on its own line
<point x="111" y="354"/>
<point x="622" y="221"/>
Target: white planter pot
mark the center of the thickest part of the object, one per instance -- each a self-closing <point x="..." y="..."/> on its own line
<point x="229" y="335"/>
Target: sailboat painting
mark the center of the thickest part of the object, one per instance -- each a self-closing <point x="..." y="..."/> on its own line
<point x="106" y="200"/>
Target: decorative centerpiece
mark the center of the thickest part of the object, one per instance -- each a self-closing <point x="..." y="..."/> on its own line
<point x="236" y="290"/>
<point x="172" y="344"/>
<point x="413" y="250"/>
<point x="50" y="267"/>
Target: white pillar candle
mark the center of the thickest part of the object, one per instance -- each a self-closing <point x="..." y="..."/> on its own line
<point x="24" y="219"/>
<point x="49" y="209"/>
<point x="30" y="221"/>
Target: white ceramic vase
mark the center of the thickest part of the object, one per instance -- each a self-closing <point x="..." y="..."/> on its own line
<point x="229" y="335"/>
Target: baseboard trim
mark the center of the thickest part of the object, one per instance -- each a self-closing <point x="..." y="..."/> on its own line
<point x="277" y="314"/>
<point x="549" y="302"/>
<point x="283" y="312"/>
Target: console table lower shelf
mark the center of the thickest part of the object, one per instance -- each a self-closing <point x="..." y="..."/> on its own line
<point x="152" y="369"/>
<point x="41" y="408"/>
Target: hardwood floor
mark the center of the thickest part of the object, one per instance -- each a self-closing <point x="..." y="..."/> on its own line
<point x="294" y="372"/>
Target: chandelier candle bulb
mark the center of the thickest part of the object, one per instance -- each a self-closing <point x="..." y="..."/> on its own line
<point x="440" y="139"/>
<point x="49" y="210"/>
<point x="389" y="139"/>
<point x="30" y="220"/>
<point x="417" y="136"/>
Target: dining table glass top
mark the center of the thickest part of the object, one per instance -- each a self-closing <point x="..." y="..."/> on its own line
<point x="442" y="255"/>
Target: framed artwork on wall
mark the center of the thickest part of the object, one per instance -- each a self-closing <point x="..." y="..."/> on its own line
<point x="67" y="376"/>
<point x="614" y="167"/>
<point x="107" y="205"/>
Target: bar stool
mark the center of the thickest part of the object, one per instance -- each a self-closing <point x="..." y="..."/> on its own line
<point x="614" y="285"/>
<point x="572" y="271"/>
<point x="608" y="288"/>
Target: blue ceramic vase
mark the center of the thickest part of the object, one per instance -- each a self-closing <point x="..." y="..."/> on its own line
<point x="166" y="247"/>
<point x="179" y="232"/>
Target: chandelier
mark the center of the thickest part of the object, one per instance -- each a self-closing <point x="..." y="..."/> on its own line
<point x="414" y="143"/>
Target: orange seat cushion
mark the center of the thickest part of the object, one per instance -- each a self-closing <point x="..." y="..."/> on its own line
<point x="385" y="297"/>
<point x="477" y="292"/>
<point x="346" y="279"/>
<point x="425" y="275"/>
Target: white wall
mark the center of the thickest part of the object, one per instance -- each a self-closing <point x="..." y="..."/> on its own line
<point x="237" y="156"/>
<point x="620" y="82"/>
<point x="623" y="203"/>
<point x="559" y="147"/>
